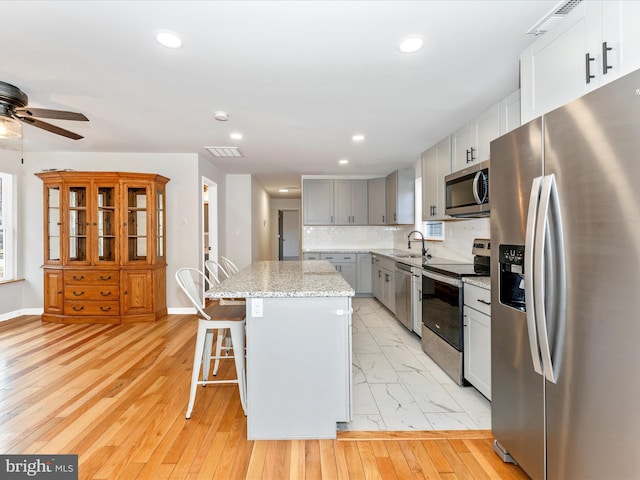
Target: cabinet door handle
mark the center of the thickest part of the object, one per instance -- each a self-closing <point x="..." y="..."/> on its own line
<point x="77" y="279"/>
<point x="588" y="60"/>
<point x="605" y="63"/>
<point x="105" y="309"/>
<point x="105" y="294"/>
<point x="467" y="150"/>
<point x="78" y="294"/>
<point x="484" y="302"/>
<point x="472" y="157"/>
<point x="383" y="219"/>
<point x="104" y="279"/>
<point x="78" y="309"/>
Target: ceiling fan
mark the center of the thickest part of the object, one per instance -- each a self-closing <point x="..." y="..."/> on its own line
<point x="13" y="105"/>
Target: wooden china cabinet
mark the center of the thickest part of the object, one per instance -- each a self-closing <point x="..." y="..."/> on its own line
<point x="104" y="247"/>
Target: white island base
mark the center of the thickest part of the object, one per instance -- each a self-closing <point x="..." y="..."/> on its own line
<point x="298" y="367"/>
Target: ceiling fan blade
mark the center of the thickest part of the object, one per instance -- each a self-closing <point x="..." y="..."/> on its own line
<point x="50" y="128"/>
<point x="47" y="113"/>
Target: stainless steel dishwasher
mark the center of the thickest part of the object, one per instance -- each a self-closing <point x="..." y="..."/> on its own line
<point x="403" y="295"/>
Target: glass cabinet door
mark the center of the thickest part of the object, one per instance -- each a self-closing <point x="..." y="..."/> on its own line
<point x="52" y="235"/>
<point x="106" y="224"/>
<point x="136" y="224"/>
<point x="160" y="223"/>
<point x="78" y="223"/>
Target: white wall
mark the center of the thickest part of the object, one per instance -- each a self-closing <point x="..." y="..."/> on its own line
<point x="239" y="217"/>
<point x="261" y="226"/>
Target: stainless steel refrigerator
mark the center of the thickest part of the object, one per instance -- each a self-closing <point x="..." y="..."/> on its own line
<point x="565" y="308"/>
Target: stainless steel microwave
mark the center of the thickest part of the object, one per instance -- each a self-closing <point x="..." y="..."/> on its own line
<point x="467" y="191"/>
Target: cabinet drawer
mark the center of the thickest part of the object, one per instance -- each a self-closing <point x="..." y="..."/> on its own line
<point x="311" y="256"/>
<point x="79" y="307"/>
<point x="97" y="277"/>
<point x="339" y="257"/>
<point x="91" y="292"/>
<point x="477" y="298"/>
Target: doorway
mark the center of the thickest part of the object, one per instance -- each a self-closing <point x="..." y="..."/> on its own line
<point x="288" y="234"/>
<point x="209" y="220"/>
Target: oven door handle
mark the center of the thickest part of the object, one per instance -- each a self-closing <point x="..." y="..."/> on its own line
<point x="442" y="278"/>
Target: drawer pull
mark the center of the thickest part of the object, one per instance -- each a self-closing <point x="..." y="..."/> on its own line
<point x="104" y="279"/>
<point x="105" y="294"/>
<point x="78" y="294"/>
<point x="78" y="309"/>
<point x="105" y="309"/>
<point x="77" y="279"/>
<point x="484" y="302"/>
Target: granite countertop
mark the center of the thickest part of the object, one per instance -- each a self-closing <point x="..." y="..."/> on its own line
<point x="482" y="282"/>
<point x="307" y="278"/>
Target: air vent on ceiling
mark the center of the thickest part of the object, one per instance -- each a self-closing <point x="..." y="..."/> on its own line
<point x="553" y="17"/>
<point x="225" y="151"/>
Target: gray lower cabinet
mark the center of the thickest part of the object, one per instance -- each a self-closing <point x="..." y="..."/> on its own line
<point x="384" y="281"/>
<point x="363" y="265"/>
<point x="345" y="263"/>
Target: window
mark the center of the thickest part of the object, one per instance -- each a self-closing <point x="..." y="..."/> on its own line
<point x="6" y="227"/>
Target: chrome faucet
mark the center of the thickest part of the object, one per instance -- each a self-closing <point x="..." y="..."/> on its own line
<point x="424" y="250"/>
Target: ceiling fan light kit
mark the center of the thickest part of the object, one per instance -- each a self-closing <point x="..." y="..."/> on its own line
<point x="10" y="128"/>
<point x="13" y="107"/>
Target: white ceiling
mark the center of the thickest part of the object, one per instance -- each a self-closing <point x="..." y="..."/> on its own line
<point x="298" y="78"/>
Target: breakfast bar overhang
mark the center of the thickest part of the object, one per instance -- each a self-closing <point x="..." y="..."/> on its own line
<point x="298" y="325"/>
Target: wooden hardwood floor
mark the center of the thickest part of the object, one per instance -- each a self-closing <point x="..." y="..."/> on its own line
<point x="116" y="396"/>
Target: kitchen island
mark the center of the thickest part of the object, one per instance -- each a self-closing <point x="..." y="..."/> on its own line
<point x="298" y="347"/>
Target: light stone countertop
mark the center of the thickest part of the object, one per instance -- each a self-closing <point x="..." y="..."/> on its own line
<point x="307" y="278"/>
<point x="482" y="282"/>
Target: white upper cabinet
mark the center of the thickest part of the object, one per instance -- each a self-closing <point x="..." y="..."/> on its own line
<point x="436" y="164"/>
<point x="470" y="143"/>
<point x="596" y="43"/>
<point x="510" y="112"/>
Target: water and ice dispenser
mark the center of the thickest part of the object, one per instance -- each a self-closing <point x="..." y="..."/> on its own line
<point x="512" y="275"/>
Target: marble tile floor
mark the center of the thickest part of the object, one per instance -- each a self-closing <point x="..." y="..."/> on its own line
<point x="396" y="386"/>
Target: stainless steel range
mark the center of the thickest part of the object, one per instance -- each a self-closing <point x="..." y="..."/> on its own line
<point x="442" y="308"/>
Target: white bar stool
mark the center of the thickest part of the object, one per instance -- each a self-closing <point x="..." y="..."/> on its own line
<point x="210" y="319"/>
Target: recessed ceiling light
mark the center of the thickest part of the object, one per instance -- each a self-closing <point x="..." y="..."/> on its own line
<point x="283" y="190"/>
<point x="221" y="116"/>
<point x="344" y="161"/>
<point x="411" y="44"/>
<point x="357" y="137"/>
<point x="168" y="39"/>
<point x="236" y="136"/>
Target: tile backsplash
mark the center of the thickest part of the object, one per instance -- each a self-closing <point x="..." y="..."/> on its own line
<point x="459" y="235"/>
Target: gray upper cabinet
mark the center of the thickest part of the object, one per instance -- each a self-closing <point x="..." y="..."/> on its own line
<point x="436" y="164"/>
<point x="318" y="201"/>
<point x="350" y="202"/>
<point x="377" y="201"/>
<point x="401" y="197"/>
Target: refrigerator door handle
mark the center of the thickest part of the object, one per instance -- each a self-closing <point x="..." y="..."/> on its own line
<point x="530" y="237"/>
<point x="549" y="231"/>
